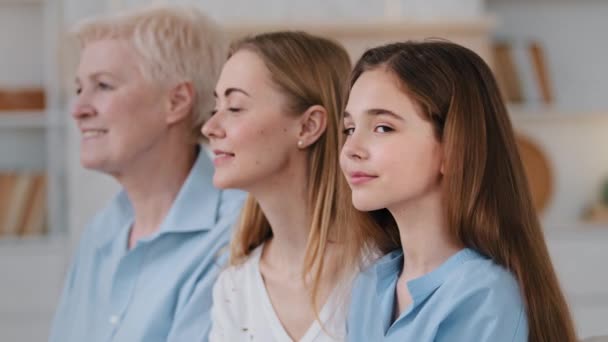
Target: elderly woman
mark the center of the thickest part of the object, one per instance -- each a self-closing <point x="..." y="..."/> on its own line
<point x="146" y="264"/>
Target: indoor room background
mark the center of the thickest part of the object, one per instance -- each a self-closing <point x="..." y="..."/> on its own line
<point x="548" y="55"/>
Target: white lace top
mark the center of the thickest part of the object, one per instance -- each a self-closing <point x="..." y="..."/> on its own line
<point x="242" y="310"/>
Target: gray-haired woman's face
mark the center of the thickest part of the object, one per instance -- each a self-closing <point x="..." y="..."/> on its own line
<point x="119" y="113"/>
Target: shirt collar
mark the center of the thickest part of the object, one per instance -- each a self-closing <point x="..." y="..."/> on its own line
<point x="421" y="288"/>
<point x="196" y="205"/>
<point x="195" y="208"/>
<point x="389" y="268"/>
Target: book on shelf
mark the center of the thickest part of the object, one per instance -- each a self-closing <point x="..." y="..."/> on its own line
<point x="22" y="204"/>
<point x="522" y="72"/>
<point x="25" y="99"/>
<point x="7" y="185"/>
<point x="35" y="218"/>
<point x="506" y="73"/>
<point x="541" y="71"/>
<point x="15" y="210"/>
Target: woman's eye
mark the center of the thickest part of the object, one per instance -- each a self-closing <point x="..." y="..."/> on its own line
<point x="234" y="109"/>
<point x="104" y="86"/>
<point x="213" y="112"/>
<point x="383" y="129"/>
<point x="348" y="131"/>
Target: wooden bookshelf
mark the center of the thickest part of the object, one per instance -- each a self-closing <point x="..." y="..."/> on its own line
<point x="33" y="265"/>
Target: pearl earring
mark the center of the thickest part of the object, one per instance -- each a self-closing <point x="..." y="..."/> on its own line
<point x="300" y="143"/>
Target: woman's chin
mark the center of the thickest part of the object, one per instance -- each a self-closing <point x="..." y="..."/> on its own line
<point x="224" y="182"/>
<point x="102" y="165"/>
<point x="91" y="163"/>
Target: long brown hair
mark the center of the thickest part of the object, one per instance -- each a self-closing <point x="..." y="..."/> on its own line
<point x="487" y="197"/>
<point x="310" y="71"/>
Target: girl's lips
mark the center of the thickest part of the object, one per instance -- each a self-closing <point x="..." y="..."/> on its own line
<point x="358" y="178"/>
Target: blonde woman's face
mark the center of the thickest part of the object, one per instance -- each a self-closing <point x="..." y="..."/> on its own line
<point x="391" y="156"/>
<point x="120" y="115"/>
<point x="252" y="137"/>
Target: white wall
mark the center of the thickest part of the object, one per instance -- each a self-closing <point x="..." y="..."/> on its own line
<point x="574" y="36"/>
<point x="21" y="45"/>
<point x="32" y="276"/>
<point x="328" y="10"/>
<point x="29" y="142"/>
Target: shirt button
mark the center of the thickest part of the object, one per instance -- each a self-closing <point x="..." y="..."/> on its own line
<point x="113" y="319"/>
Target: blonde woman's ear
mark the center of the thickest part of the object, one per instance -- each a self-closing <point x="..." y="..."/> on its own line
<point x="313" y="123"/>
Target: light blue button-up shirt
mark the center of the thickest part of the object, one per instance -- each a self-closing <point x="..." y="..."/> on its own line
<point x="160" y="290"/>
<point x="468" y="298"/>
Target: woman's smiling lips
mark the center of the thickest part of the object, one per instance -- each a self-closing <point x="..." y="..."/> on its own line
<point x="221" y="157"/>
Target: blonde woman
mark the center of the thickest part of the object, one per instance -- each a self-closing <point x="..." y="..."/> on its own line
<point x="146" y="264"/>
<point x="275" y="133"/>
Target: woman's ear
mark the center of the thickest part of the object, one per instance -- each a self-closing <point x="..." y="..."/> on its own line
<point x="313" y="124"/>
<point x="181" y="100"/>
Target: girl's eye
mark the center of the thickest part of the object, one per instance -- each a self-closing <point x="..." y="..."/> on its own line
<point x="383" y="129"/>
<point x="234" y="110"/>
<point x="213" y="112"/>
<point x="78" y="91"/>
<point x="348" y="131"/>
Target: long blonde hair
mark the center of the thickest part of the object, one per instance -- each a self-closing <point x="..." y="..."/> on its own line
<point x="310" y="71"/>
<point x="489" y="206"/>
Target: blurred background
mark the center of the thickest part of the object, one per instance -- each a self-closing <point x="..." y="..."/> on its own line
<point x="549" y="57"/>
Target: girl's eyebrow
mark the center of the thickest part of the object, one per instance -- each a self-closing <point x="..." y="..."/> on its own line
<point x="376" y="112"/>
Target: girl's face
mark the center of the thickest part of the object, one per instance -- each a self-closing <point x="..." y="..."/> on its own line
<point x="252" y="137"/>
<point x="391" y="157"/>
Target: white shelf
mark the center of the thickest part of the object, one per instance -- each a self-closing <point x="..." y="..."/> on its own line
<point x="22" y="119"/>
<point x="21" y="2"/>
<point x="365" y="28"/>
<point x="553" y="114"/>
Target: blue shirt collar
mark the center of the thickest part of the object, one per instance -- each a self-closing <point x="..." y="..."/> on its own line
<point x="389" y="268"/>
<point x="195" y="208"/>
<point x="421" y="288"/>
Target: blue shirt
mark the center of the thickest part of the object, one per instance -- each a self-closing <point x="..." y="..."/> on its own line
<point x="161" y="289"/>
<point x="468" y="298"/>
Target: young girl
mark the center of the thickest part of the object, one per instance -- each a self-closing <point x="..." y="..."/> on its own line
<point x="276" y="133"/>
<point x="430" y="142"/>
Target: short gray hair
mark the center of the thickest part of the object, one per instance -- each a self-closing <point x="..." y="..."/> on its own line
<point x="176" y="44"/>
